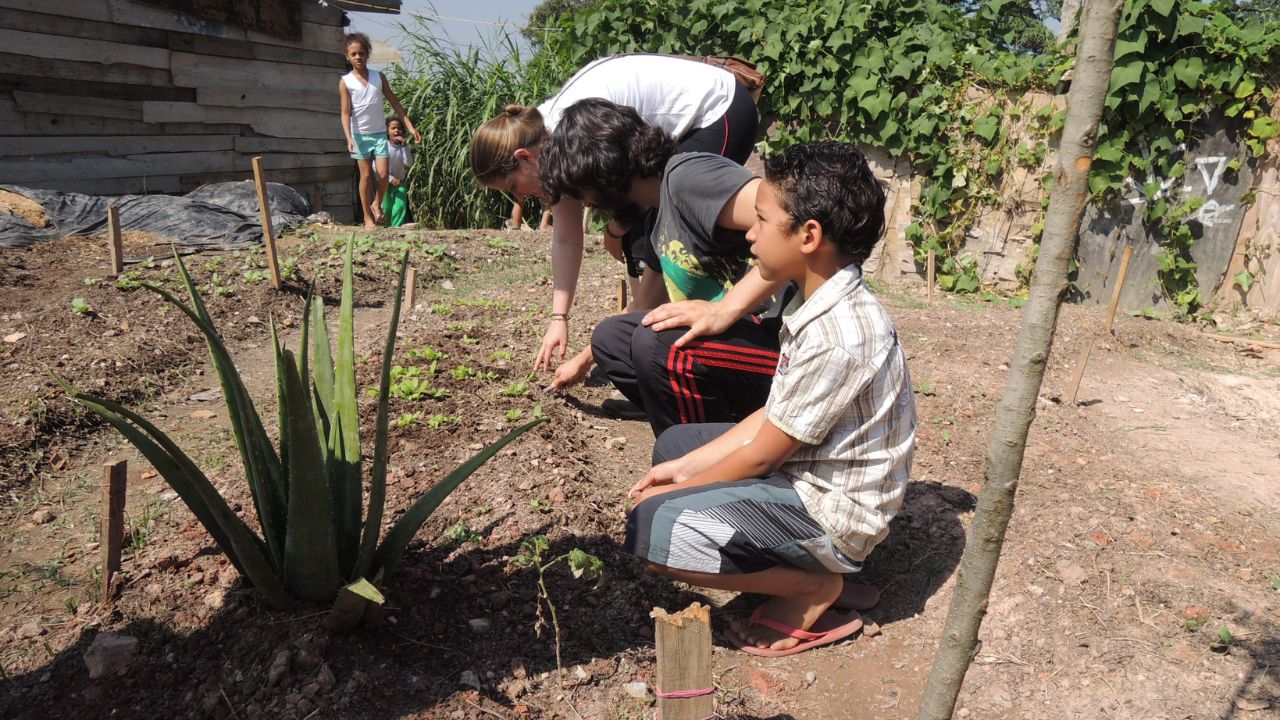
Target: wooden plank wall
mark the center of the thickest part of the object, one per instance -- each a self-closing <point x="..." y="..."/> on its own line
<point x="113" y="97"/>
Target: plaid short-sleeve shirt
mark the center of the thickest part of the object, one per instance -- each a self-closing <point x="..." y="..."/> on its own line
<point x="842" y="388"/>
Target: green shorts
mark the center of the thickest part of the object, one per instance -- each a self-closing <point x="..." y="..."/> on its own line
<point x="369" y="146"/>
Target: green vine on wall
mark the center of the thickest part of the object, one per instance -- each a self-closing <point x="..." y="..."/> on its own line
<point x="940" y="87"/>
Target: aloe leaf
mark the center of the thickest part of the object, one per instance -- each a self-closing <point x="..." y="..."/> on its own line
<point x="344" y="464"/>
<point x="310" y="554"/>
<point x="378" y="481"/>
<point x="322" y="365"/>
<point x="400" y="534"/>
<point x="282" y="408"/>
<point x="262" y="466"/>
<point x="243" y="548"/>
<point x="352" y="605"/>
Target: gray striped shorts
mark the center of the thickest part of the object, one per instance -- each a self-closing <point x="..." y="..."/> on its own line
<point x="734" y="527"/>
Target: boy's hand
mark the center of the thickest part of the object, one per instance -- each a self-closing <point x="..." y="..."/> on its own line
<point x="571" y="372"/>
<point x="667" y="473"/>
<point x="701" y="317"/>
<point x="351" y="146"/>
<point x="393" y="182"/>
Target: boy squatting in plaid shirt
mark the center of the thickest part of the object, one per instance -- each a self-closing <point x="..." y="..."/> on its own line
<point x="797" y="495"/>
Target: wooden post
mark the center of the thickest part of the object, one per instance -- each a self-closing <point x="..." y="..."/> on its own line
<point x="115" y="242"/>
<point x="622" y="295"/>
<point x="317" y="200"/>
<point x="517" y="216"/>
<point x="586" y="219"/>
<point x="1115" y="294"/>
<point x="684" y="686"/>
<point x="1081" y="362"/>
<point x="930" y="272"/>
<point x="264" y="209"/>
<point x="113" y="488"/>
<point x="410" y="288"/>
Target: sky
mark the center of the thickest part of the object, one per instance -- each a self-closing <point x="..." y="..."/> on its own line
<point x="485" y="16"/>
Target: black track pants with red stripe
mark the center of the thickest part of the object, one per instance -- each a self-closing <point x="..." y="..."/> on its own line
<point x="722" y="378"/>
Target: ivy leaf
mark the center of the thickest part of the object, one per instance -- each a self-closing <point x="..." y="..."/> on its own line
<point x="1127" y="46"/>
<point x="1244" y="279"/>
<point x="987" y="127"/>
<point x="1264" y="128"/>
<point x="1188" y="71"/>
<point x="1246" y="87"/>
<point x="1126" y="74"/>
<point x="1164" y="7"/>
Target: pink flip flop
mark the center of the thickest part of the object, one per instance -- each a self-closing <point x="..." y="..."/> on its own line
<point x="832" y="626"/>
<point x="856" y="596"/>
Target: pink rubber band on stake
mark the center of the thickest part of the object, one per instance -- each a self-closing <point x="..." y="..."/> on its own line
<point x="680" y="694"/>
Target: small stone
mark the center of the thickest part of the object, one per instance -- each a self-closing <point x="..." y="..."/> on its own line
<point x="615" y="442"/>
<point x="637" y="690"/>
<point x="810" y="677"/>
<point x="964" y="713"/>
<point x="214" y="599"/>
<point x="204" y="415"/>
<point x="870" y="630"/>
<point x="169" y="495"/>
<point x="279" y="666"/>
<point x="253" y="320"/>
<point x="469" y="679"/>
<point x="581" y="675"/>
<point x="307" y="659"/>
<point x="311" y="689"/>
<point x="480" y="626"/>
<point x="42" y="516"/>
<point x="110" y="653"/>
<point x="14" y="337"/>
<point x="1250" y="705"/>
<point x="207" y="395"/>
<point x="30" y="630"/>
<point x="447" y="284"/>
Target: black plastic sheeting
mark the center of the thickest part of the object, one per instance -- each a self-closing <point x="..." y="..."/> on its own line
<point x="221" y="216"/>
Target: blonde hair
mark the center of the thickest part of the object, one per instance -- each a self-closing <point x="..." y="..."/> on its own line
<point x="494" y="144"/>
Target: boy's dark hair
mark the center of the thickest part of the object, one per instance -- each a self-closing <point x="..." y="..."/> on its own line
<point x="394" y="118"/>
<point x="597" y="150"/>
<point x="830" y="182"/>
<point x="357" y="37"/>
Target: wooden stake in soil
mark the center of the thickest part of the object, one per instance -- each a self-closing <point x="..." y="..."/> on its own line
<point x="684" y="686"/>
<point x="410" y="288"/>
<point x="622" y="295"/>
<point x="268" y="235"/>
<point x="1081" y="362"/>
<point x="113" y="487"/>
<point x="546" y="220"/>
<point x="930" y="272"/>
<point x="586" y="219"/>
<point x="517" y="216"/>
<point x="115" y="243"/>
<point x="1115" y="294"/>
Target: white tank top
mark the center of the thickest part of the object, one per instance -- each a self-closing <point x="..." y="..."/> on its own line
<point x="366" y="103"/>
<point x="674" y="94"/>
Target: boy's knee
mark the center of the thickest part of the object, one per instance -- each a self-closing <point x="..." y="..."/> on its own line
<point x="670" y="444"/>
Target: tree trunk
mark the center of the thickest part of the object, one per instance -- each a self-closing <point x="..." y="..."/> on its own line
<point x="1070" y="8"/>
<point x="1016" y="409"/>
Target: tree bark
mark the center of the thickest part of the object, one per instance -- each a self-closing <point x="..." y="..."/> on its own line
<point x="1067" y="23"/>
<point x="1016" y="409"/>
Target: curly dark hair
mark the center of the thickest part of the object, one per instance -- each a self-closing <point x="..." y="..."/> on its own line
<point x="597" y="151"/>
<point x="830" y="182"/>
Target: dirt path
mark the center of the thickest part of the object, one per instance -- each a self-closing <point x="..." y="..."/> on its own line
<point x="1147" y="521"/>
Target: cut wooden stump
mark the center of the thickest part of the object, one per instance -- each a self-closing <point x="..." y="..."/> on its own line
<point x="410" y="288"/>
<point x="113" y="493"/>
<point x="684" y="685"/>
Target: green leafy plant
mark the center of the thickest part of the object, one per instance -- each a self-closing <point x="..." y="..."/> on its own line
<point x="80" y="307"/>
<point x="427" y="353"/>
<point x="516" y="389"/>
<point x="1223" y="641"/>
<point x="461" y="534"/>
<point x="437" y="421"/>
<point x="513" y="415"/>
<point x="581" y="564"/>
<point x="315" y="545"/>
<point x="407" y="419"/>
<point x="462" y="372"/>
<point x="499" y="355"/>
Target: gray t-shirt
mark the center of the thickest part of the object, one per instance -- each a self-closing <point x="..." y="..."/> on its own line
<point x="698" y="259"/>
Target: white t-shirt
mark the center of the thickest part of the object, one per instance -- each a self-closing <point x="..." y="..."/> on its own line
<point x="366" y="103"/>
<point x="671" y="93"/>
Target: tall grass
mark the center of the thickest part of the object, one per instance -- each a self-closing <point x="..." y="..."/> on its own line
<point x="449" y="91"/>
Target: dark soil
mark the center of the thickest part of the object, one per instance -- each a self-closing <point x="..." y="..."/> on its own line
<point x="1146" y="521"/>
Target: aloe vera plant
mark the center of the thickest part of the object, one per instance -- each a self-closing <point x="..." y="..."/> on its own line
<point x="316" y="537"/>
